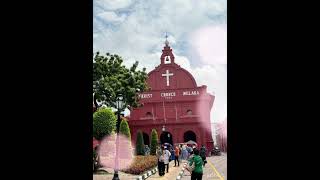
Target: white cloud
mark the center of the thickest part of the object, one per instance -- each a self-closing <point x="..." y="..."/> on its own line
<point x="211" y="44"/>
<point x="183" y="62"/>
<point x="113" y="4"/>
<point x="215" y="78"/>
<point x="112" y="17"/>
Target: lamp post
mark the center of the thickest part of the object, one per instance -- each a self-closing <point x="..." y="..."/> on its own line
<point x="116" y="162"/>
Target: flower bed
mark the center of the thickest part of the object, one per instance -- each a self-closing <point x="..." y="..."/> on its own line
<point x="141" y="164"/>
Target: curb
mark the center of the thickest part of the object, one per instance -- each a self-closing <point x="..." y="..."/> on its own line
<point x="147" y="174"/>
<point x="181" y="172"/>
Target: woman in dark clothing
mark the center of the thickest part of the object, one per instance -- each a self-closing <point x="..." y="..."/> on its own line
<point x="203" y="152"/>
<point x="172" y="154"/>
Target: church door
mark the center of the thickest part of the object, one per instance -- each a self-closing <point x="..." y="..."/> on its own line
<point x="189" y="135"/>
<point x="166" y="137"/>
<point x="146" y="139"/>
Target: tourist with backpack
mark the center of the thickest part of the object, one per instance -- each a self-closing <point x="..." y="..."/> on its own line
<point x="196" y="165"/>
<point x="203" y="152"/>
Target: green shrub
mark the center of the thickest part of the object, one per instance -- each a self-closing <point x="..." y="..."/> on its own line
<point x="104" y="123"/>
<point x="139" y="144"/>
<point x="154" y="142"/>
<point x="124" y="128"/>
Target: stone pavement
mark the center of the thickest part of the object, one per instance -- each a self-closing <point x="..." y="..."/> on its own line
<point x="122" y="176"/>
<point x="173" y="172"/>
<point x="215" y="169"/>
<point x="220" y="163"/>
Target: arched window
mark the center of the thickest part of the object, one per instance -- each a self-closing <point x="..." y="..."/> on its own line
<point x="146" y="139"/>
<point x="189" y="112"/>
<point x="189" y="135"/>
<point x="148" y="114"/>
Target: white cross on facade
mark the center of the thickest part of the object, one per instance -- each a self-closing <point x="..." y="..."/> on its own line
<point x="167" y="76"/>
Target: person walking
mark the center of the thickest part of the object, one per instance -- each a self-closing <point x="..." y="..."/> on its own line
<point x="180" y="150"/>
<point x="172" y="151"/>
<point x="189" y="149"/>
<point x="160" y="162"/>
<point x="184" y="152"/>
<point x="191" y="155"/>
<point x="166" y="157"/>
<point x="176" y="156"/>
<point x="197" y="172"/>
<point x="203" y="152"/>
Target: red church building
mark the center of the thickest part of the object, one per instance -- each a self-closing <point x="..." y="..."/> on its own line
<point x="175" y="106"/>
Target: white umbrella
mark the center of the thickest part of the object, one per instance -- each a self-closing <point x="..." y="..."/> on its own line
<point x="191" y="142"/>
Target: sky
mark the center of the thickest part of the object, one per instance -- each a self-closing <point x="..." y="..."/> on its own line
<point x="197" y="33"/>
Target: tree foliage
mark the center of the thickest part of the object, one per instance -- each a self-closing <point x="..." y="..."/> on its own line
<point x="104" y="123"/>
<point x="140" y="144"/>
<point x="154" y="142"/>
<point x="111" y="78"/>
<point x="124" y="128"/>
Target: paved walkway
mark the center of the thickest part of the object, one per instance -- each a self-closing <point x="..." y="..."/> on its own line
<point x="215" y="169"/>
<point x="172" y="175"/>
<point x="122" y="176"/>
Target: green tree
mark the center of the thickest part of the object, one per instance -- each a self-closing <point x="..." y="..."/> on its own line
<point x="124" y="128"/>
<point x="104" y="123"/>
<point x="111" y="78"/>
<point x="154" y="142"/>
<point x="140" y="144"/>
